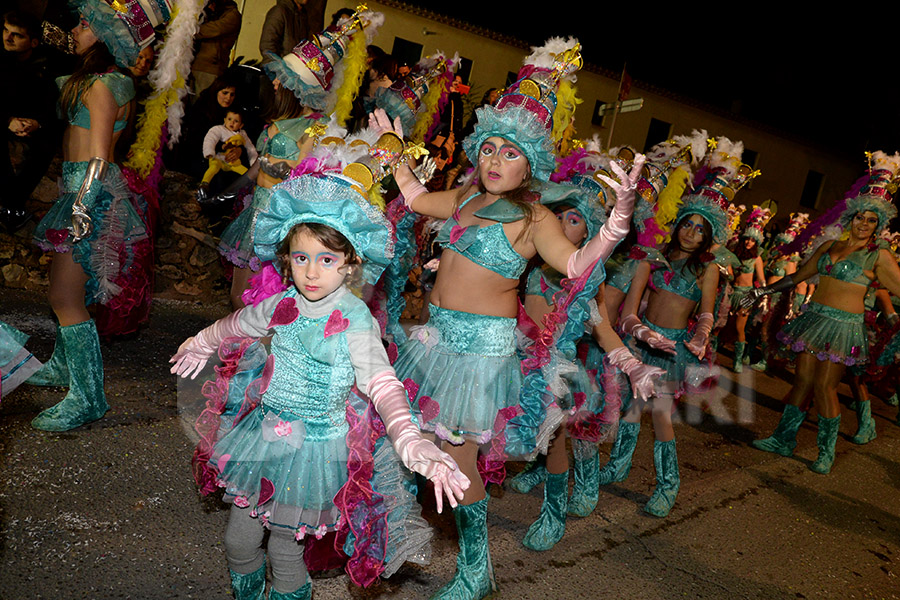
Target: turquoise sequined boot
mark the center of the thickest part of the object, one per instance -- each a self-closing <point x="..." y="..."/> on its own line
<point x="825" y="440"/>
<point x="587" y="480"/>
<point x="865" y="433"/>
<point x="784" y="439"/>
<point x="739" y="348"/>
<point x="665" y="459"/>
<point x="619" y="464"/>
<point x="533" y="474"/>
<point x="251" y="586"/>
<point x="474" y="577"/>
<point x="304" y="592"/>
<point x="86" y="400"/>
<point x="551" y="524"/>
<point x="54" y="372"/>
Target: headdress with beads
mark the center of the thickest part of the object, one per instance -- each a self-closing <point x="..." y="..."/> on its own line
<point x="724" y="176"/>
<point x="536" y="110"/>
<point x="125" y="26"/>
<point x="878" y="193"/>
<point x="798" y="222"/>
<point x="416" y="98"/>
<point x="756" y="223"/>
<point x="325" y="71"/>
<point x="328" y="189"/>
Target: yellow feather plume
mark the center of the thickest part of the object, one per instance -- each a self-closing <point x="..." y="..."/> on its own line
<point x="566" y="102"/>
<point x="669" y="200"/>
<point x="143" y="152"/>
<point x="426" y="115"/>
<point x="354" y="69"/>
<point x="375" y="197"/>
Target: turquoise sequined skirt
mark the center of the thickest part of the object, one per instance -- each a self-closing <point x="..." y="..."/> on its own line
<point x="236" y="244"/>
<point x="682" y="368"/>
<point x="466" y="369"/>
<point x="737" y="294"/>
<point x="117" y="227"/>
<point x="306" y="463"/>
<point x="828" y="333"/>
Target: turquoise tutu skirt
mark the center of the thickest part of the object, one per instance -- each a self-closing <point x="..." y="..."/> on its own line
<point x="236" y="244"/>
<point x="117" y="228"/>
<point x="464" y="369"/>
<point x="684" y="372"/>
<point x="737" y="294"/>
<point x="828" y="333"/>
<point x="305" y="464"/>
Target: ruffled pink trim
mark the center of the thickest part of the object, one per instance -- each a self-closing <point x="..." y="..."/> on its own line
<point x="594" y="427"/>
<point x="359" y="503"/>
<point x="492" y="464"/>
<point x="207" y="425"/>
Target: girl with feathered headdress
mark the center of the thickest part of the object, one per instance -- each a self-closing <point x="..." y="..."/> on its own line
<point x="831" y="334"/>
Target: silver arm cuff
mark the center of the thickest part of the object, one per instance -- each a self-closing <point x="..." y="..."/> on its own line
<point x="81" y="221"/>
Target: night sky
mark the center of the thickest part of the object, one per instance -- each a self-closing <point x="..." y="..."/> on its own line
<point x="827" y="79"/>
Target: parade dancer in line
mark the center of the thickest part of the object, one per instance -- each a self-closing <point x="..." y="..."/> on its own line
<point x="831" y="334"/>
<point x="94" y="226"/>
<point x="750" y="274"/>
<point x="464" y="359"/>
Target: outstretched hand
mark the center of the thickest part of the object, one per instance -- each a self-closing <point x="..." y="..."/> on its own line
<point x="750" y="299"/>
<point x="423" y="457"/>
<point x="627" y="182"/>
<point x="380" y="122"/>
<point x="189" y="361"/>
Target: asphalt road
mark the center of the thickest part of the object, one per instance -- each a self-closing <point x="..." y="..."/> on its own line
<point x="110" y="510"/>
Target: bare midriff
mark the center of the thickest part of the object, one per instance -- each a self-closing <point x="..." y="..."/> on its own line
<point x="669" y="310"/>
<point x="843" y="295"/>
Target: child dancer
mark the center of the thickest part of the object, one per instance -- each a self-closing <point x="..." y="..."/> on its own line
<point x="464" y="359"/>
<point x="285" y="464"/>
<point x="581" y="217"/>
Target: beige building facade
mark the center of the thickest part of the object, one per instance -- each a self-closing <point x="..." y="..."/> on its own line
<point x="786" y="164"/>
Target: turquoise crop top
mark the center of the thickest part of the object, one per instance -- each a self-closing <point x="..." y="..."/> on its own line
<point x="748" y="265"/>
<point x="486" y="246"/>
<point x="675" y="281"/>
<point x="851" y="269"/>
<point x="122" y="88"/>
<point x="283" y="145"/>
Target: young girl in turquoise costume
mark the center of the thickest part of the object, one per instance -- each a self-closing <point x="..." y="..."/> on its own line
<point x="831" y="335"/>
<point x="303" y="99"/>
<point x="591" y="415"/>
<point x="464" y="359"/>
<point x="94" y="225"/>
<point x="300" y="462"/>
<point x="662" y="339"/>
<point x="750" y="274"/>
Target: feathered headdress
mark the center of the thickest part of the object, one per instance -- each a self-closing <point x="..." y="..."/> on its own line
<point x="877" y="195"/>
<point x="536" y="110"/>
<point x="756" y="223"/>
<point x="418" y="97"/>
<point x="325" y="71"/>
<point x="125" y="26"/>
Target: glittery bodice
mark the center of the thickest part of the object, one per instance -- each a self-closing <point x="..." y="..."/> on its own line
<point x="122" y="88"/>
<point x="283" y="145"/>
<point x="486" y="246"/>
<point x="851" y="269"/>
<point x="679" y="281"/>
<point x="313" y="373"/>
<point x="748" y="265"/>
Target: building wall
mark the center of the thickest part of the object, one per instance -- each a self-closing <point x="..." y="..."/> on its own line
<point x="784" y="163"/>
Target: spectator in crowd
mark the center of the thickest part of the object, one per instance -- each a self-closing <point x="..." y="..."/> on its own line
<point x="342" y="13"/>
<point x="221" y="24"/>
<point x="29" y="112"/>
<point x="288" y="23"/>
<point x="209" y="110"/>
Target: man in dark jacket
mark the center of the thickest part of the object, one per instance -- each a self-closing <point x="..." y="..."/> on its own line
<point x="29" y="114"/>
<point x="217" y="34"/>
<point x="288" y="23"/>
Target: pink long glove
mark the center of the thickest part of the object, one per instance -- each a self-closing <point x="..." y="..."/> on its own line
<point x="697" y="345"/>
<point x="193" y="354"/>
<point x="417" y="454"/>
<point x="615" y="229"/>
<point x="642" y="376"/>
<point x="633" y="326"/>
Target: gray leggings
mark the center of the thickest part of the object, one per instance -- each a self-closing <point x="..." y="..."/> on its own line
<point x="243" y="549"/>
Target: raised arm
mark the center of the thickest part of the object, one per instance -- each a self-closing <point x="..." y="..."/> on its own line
<point x="439" y="205"/>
